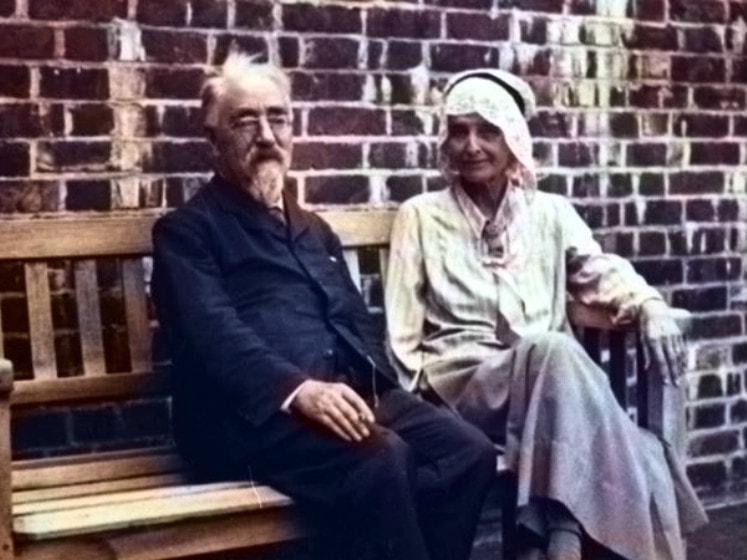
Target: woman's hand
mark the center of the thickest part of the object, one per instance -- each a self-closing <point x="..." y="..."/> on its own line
<point x="664" y="345"/>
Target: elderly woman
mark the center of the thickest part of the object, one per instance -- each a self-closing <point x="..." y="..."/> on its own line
<point x="475" y="303"/>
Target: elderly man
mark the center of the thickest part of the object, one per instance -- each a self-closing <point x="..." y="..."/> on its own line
<point x="279" y="373"/>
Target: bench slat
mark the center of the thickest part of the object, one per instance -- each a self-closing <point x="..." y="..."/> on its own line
<point x="148" y="511"/>
<point x="89" y="318"/>
<point x="138" y="330"/>
<point x="41" y="330"/>
<point x="351" y="259"/>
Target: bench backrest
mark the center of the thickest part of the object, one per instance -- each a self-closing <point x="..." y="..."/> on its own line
<point x="44" y="247"/>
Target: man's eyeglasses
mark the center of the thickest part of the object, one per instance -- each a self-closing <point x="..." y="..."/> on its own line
<point x="251" y="125"/>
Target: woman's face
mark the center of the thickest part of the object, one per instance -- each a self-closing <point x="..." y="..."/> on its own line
<point x="476" y="149"/>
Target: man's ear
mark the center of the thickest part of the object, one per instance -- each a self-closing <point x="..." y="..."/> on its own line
<point x="210" y="134"/>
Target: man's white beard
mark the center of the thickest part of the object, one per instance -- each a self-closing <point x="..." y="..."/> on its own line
<point x="267" y="183"/>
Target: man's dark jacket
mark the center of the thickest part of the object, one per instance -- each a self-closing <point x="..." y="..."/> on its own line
<point x="249" y="310"/>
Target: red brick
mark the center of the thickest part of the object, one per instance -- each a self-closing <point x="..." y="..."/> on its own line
<point x="321" y="19"/>
<point x="406" y="122"/>
<point x="660" y="271"/>
<point x="337" y="190"/>
<point x="453" y="57"/>
<point x="740" y="126"/>
<point x="91" y="119"/>
<point x="402" y="55"/>
<point x="582" y="7"/>
<point x="711" y="475"/>
<point x="209" y="13"/>
<point x="179" y="157"/>
<point x="20" y="120"/>
<point x="585" y="186"/>
<point x="52" y="119"/>
<point x="16" y="81"/>
<point x="541" y="5"/>
<point x="689" y="182"/>
<point x="476" y="26"/>
<point x="620" y="185"/>
<point x="641" y="10"/>
<point x="466" y="4"/>
<point x="556" y="184"/>
<point x="699" y="11"/>
<point x="675" y="97"/>
<point x="542" y="64"/>
<point x="577" y="154"/>
<point x="75" y="155"/>
<point x="698" y="69"/>
<point x="7" y="7"/>
<point x="550" y="124"/>
<point x="700" y="210"/>
<point x="330" y="53"/>
<point x="651" y="243"/>
<point x="712" y="126"/>
<point x="254" y="14"/>
<point x="174" y="46"/>
<point x="739" y="70"/>
<point x="650" y="37"/>
<point x="158" y="12"/>
<point x="415" y="24"/>
<point x="336" y="121"/>
<point x="714" y="444"/>
<point x="173" y="83"/>
<point x="289" y="51"/>
<point x="322" y="155"/>
<point x="400" y="188"/>
<point x="74" y="83"/>
<point x="728" y="210"/>
<point x="387" y="155"/>
<point x="703" y="39"/>
<point x="25" y="41"/>
<point x="182" y="122"/>
<point x="714" y="153"/>
<point x="86" y="43"/>
<point x="647" y="154"/>
<point x="534" y="31"/>
<point x="320" y="86"/>
<point x="89" y="10"/>
<point x="719" y="97"/>
<point x="88" y="195"/>
<point x="14" y="159"/>
<point x="248" y="44"/>
<point x="624" y="125"/>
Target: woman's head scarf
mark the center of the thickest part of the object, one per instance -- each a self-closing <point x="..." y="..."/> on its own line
<point x="504" y="100"/>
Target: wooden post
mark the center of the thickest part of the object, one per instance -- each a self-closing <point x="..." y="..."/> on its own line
<point x="6" y="466"/>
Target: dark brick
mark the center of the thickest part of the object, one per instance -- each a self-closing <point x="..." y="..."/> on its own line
<point x="181" y="157"/>
<point x="319" y="86"/>
<point x="654" y="10"/>
<point x="709" y="416"/>
<point x="613" y="214"/>
<point x="624" y="125"/>
<point x="20" y="120"/>
<point x="645" y="96"/>
<point x="66" y="155"/>
<point x="698" y="69"/>
<point x="209" y="13"/>
<point x="7" y="7"/>
<point x="660" y="271"/>
<point x="14" y="159"/>
<point x="173" y="84"/>
<point x="322" y="155"/>
<point x="174" y="46"/>
<point x="254" y="14"/>
<point x="710" y="386"/>
<point x="651" y="184"/>
<point x="542" y="152"/>
<point x="719" y="326"/>
<point x="476" y="26"/>
<point x="651" y="38"/>
<point x="738" y="412"/>
<point x="290" y="51"/>
<point x="336" y="121"/>
<point x="701" y="299"/>
<point x="620" y="185"/>
<point x="714" y="444"/>
<point x="182" y="122"/>
<point x="739" y="353"/>
<point x="733" y="384"/>
<point x="402" y="55"/>
<point x="450" y="57"/>
<point x="675" y="97"/>
<point x="577" y="154"/>
<point x="699" y="11"/>
<point x="22" y="41"/>
<point x="647" y="154"/>
<point x="256" y="46"/>
<point x="703" y="39"/>
<point x="321" y="19"/>
<point x="400" y="188"/>
<point x="28" y="197"/>
<point x="702" y="125"/>
<point x="556" y="184"/>
<point x="145" y="419"/>
<point x="414" y="24"/>
<point x="467" y="4"/>
<point x="707" y="474"/>
<point x="700" y="210"/>
<point x="88" y="10"/>
<point x="330" y="53"/>
<point x="387" y="155"/>
<point x="15" y="314"/>
<point x="534" y="31"/>
<point x="739" y="70"/>
<point x="96" y="424"/>
<point x="88" y="195"/>
<point x="337" y="190"/>
<point x="707" y="97"/>
<point x="688" y="182"/>
<point x="158" y="12"/>
<point x="585" y="186"/>
<point x="406" y="123"/>
<point x="86" y="43"/>
<point x="91" y="119"/>
<point x="16" y="81"/>
<point x="652" y="243"/>
<point x="550" y="124"/>
<point x="714" y="153"/>
<point x="728" y="210"/>
<point x="555" y="6"/>
<point x="40" y="429"/>
<point x="708" y="240"/>
<point x="74" y="83"/>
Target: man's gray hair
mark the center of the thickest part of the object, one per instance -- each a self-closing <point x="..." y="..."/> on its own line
<point x="237" y="67"/>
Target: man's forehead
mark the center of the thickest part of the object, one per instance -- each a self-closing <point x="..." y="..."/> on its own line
<point x="254" y="92"/>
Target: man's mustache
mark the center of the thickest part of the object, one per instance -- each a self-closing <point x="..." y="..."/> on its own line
<point x="265" y="155"/>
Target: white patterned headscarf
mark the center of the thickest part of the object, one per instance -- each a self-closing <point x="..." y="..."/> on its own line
<point x="504" y="100"/>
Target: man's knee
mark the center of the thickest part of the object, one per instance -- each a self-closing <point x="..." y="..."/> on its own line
<point x="551" y="344"/>
<point x="386" y="457"/>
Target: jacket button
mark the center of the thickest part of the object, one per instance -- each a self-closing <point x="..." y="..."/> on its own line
<point x="328" y="353"/>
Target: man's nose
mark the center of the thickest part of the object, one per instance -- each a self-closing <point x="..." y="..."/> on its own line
<point x="265" y="135"/>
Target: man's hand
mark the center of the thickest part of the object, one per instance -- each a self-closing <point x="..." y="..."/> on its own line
<point x="664" y="345"/>
<point x="336" y="406"/>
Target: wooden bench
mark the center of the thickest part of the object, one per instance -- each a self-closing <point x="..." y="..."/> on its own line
<point x="139" y="504"/>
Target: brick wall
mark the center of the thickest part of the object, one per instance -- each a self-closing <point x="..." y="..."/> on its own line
<point x="642" y="121"/>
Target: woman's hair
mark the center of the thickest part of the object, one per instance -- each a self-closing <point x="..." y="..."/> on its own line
<point x="238" y="67"/>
